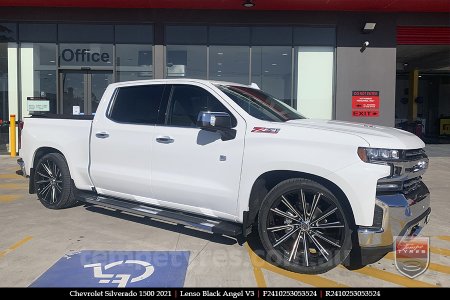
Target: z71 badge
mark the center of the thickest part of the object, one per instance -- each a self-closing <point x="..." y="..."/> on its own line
<point x="266" y="130"/>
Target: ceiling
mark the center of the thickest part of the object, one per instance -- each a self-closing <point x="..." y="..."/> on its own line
<point x="423" y="57"/>
<point x="323" y="5"/>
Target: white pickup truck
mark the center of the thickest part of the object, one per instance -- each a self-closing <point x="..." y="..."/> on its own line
<point x="226" y="158"/>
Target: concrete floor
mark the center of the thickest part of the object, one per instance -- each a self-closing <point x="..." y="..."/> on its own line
<point x="33" y="238"/>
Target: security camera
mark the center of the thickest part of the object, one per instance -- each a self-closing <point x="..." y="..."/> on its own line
<point x="364" y="46"/>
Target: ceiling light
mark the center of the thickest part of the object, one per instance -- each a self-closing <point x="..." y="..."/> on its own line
<point x="49" y="74"/>
<point x="248" y="4"/>
<point x="219" y="64"/>
<point x="274" y="64"/>
<point x="218" y="71"/>
<point x="369" y="27"/>
<point x="51" y="61"/>
<point x="284" y="54"/>
<point x="218" y="75"/>
<point x="219" y="53"/>
<point x="265" y="71"/>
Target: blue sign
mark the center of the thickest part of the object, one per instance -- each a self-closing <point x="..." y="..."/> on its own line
<point x="117" y="269"/>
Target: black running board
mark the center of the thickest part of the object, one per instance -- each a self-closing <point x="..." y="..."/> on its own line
<point x="190" y="220"/>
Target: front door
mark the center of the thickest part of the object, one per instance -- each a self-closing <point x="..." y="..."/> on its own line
<point x="193" y="169"/>
<point x="81" y="91"/>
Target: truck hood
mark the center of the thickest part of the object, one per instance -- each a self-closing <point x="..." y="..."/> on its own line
<point x="375" y="135"/>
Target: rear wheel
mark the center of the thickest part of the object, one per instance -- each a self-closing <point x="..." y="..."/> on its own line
<point x="53" y="183"/>
<point x="303" y="227"/>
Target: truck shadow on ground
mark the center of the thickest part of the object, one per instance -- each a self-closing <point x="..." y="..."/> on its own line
<point x="162" y="225"/>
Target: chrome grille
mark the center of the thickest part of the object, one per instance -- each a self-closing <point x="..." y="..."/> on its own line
<point x="411" y="185"/>
<point x="415" y="154"/>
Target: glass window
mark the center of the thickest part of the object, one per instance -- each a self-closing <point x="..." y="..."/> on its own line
<point x="272" y="70"/>
<point x="38" y="73"/>
<point x="4" y="111"/>
<point x="37" y="33"/>
<point x="134" y="62"/>
<point x="268" y="36"/>
<point x="259" y="104"/>
<point x="314" y="81"/>
<point x="86" y="55"/>
<point x="236" y="35"/>
<point x="186" y="35"/>
<point x="137" y="104"/>
<point x="134" y="34"/>
<point x="188" y="101"/>
<point x="45" y="73"/>
<point x="83" y="33"/>
<point x="8" y="32"/>
<point x="186" y="61"/>
<point x="229" y="63"/>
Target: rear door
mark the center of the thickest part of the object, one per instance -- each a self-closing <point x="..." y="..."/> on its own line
<point x="122" y="142"/>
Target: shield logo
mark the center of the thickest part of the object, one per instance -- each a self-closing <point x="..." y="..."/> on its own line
<point x="412" y="255"/>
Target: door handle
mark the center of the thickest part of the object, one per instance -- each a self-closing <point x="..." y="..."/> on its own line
<point x="102" y="135"/>
<point x="165" y="139"/>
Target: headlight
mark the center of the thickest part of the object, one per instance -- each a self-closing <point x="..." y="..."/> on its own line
<point x="377" y="155"/>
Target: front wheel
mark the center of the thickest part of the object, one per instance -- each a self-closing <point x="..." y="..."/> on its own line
<point x="53" y="183"/>
<point x="303" y="227"/>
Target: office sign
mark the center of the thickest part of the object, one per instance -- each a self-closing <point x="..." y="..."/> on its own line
<point x="86" y="55"/>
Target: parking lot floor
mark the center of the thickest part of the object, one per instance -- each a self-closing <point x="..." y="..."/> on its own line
<point x="33" y="238"/>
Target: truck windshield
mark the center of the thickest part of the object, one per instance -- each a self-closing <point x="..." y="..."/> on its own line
<point x="259" y="104"/>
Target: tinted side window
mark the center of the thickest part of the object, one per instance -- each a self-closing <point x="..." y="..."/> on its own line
<point x="187" y="101"/>
<point x="137" y="104"/>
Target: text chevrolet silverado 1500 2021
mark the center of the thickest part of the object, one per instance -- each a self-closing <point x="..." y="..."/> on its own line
<point x="225" y="158"/>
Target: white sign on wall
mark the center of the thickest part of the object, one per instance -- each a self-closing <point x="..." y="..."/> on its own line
<point x="38" y="104"/>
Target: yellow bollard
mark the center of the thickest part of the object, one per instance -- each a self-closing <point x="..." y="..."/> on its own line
<point x="12" y="135"/>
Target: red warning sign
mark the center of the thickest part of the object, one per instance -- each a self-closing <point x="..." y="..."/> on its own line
<point x="365" y="103"/>
<point x="365" y="113"/>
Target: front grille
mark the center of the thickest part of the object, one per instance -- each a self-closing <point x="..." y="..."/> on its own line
<point x="415" y="154"/>
<point x="411" y="185"/>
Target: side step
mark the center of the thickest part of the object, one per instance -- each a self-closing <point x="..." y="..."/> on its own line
<point x="199" y="222"/>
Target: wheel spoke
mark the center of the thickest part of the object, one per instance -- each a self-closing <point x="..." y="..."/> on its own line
<point x="283" y="214"/>
<point x="42" y="175"/>
<point x="326" y="239"/>
<point x="278" y="228"/>
<point x="305" y="249"/>
<point x="58" y="188"/>
<point x="53" y="194"/>
<point x="45" y="188"/>
<point x="315" y="201"/>
<point x="326" y="214"/>
<point x="328" y="225"/>
<point x="289" y="205"/>
<point x="285" y="237"/>
<point x="54" y="169"/>
<point x="43" y="181"/>
<point x="47" y="194"/>
<point x="302" y="198"/>
<point x="294" y="249"/>
<point x="47" y="169"/>
<point x="319" y="247"/>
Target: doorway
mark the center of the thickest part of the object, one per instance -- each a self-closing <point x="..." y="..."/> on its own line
<point x="81" y="90"/>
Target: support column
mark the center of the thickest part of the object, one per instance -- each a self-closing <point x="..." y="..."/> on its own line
<point x="413" y="93"/>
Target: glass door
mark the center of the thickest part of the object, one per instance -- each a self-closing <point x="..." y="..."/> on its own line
<point x="81" y="91"/>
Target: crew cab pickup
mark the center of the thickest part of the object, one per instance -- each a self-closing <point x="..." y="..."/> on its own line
<point x="226" y="158"/>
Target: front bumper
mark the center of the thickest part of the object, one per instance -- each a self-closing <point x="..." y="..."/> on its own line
<point x="401" y="217"/>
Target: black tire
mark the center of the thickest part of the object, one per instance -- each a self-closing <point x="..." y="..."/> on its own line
<point x="287" y="226"/>
<point x="53" y="183"/>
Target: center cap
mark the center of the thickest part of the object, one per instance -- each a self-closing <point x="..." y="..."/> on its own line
<point x="304" y="226"/>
